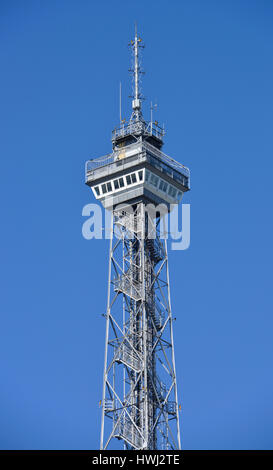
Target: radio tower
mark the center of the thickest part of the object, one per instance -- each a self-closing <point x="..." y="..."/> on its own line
<point x="139" y="184"/>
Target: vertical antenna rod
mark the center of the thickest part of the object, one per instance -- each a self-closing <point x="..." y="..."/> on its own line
<point x="136" y="103"/>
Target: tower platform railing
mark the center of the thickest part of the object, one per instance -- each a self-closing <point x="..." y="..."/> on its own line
<point x="133" y="154"/>
<point x="138" y="127"/>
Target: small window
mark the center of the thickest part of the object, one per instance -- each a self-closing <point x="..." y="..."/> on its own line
<point x="116" y="184"/>
<point x="179" y="177"/>
<point x="121" y="182"/>
<point x="140" y="175"/>
<point x="179" y="194"/>
<point x="97" y="189"/>
<point x="109" y="186"/>
<point x="128" y="179"/>
<point x="104" y="189"/>
<point x="147" y="174"/>
<point x="133" y="176"/>
<point x="172" y="191"/>
<point x="163" y="186"/>
<point x="154" y="180"/>
<point x="169" y="171"/>
<point x="186" y="182"/>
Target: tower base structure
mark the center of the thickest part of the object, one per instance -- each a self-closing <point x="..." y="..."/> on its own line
<point x="140" y="402"/>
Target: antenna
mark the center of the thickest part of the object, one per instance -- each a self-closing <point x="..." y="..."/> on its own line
<point x="136" y="102"/>
<point x="137" y="98"/>
<point x="153" y="108"/>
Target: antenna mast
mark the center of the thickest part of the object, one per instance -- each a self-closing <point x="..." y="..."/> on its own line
<point x="137" y="98"/>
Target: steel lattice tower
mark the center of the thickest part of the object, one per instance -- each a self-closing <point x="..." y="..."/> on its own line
<point x="139" y="184"/>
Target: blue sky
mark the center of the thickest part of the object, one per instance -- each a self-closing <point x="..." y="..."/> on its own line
<point x="209" y="67"/>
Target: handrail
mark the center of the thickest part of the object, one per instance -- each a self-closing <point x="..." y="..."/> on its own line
<point x="140" y="126"/>
<point x="105" y="160"/>
<point x="162" y="156"/>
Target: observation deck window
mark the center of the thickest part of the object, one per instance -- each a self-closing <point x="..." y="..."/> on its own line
<point x="133" y="176"/>
<point x="154" y="180"/>
<point x="163" y="186"/>
<point x="172" y="191"/>
<point x="128" y="179"/>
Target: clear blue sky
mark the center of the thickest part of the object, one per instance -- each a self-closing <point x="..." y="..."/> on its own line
<point x="209" y="66"/>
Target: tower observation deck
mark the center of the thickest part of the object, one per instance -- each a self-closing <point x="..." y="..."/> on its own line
<point x="139" y="184"/>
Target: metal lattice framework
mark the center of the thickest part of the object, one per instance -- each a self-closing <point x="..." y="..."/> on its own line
<point x="139" y="405"/>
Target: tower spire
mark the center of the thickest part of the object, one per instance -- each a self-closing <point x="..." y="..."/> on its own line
<point x="136" y="103"/>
